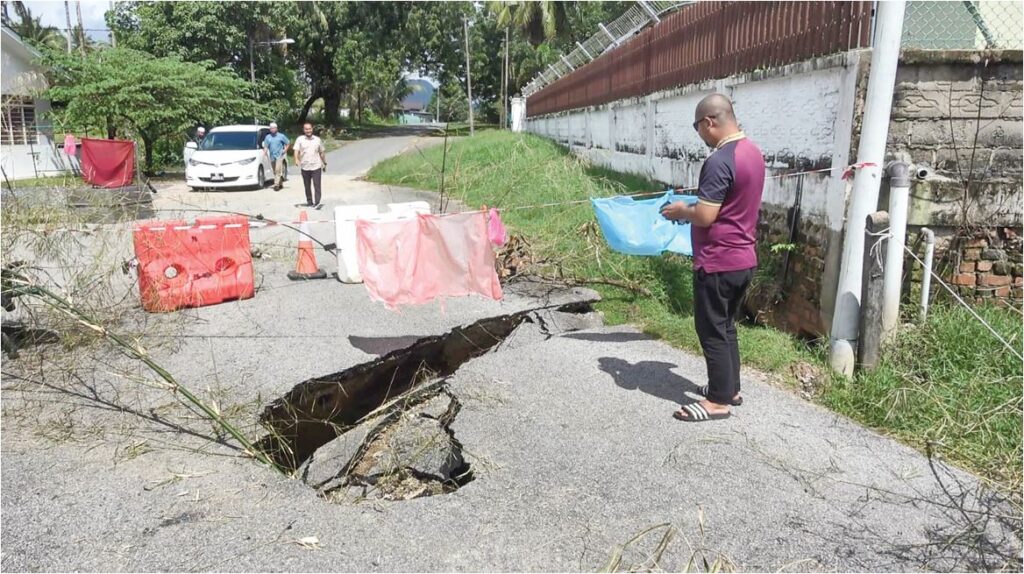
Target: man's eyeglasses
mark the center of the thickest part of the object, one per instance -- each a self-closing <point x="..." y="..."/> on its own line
<point x="696" y="124"/>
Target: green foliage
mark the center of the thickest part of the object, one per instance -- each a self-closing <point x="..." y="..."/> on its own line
<point x="948" y="382"/>
<point x="31" y="28"/>
<point x="135" y="94"/>
<point x="454" y="105"/>
<point x="218" y="32"/>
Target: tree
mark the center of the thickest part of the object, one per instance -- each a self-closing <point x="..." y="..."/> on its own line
<point x="138" y="94"/>
<point x="454" y="107"/>
<point x="215" y="31"/>
<point x="538" y="20"/>
<point x="31" y="29"/>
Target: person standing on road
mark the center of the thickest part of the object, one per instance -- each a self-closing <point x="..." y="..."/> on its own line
<point x="200" y="134"/>
<point x="309" y="156"/>
<point x="275" y="145"/>
<point x="724" y="226"/>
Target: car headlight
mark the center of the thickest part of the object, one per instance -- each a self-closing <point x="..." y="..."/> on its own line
<point x="194" y="163"/>
<point x="246" y="161"/>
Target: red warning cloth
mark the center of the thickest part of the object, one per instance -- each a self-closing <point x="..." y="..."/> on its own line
<point x="108" y="163"/>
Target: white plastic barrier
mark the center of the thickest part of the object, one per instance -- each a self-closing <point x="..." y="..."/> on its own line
<point x="346" y="216"/>
<point x="413" y="206"/>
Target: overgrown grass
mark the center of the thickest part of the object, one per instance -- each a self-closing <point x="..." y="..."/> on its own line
<point x="951" y="383"/>
<point x="948" y="382"/>
<point x="506" y="170"/>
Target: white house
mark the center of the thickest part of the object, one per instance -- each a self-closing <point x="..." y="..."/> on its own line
<point x="27" y="146"/>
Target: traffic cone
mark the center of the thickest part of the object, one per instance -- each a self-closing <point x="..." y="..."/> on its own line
<point x="305" y="267"/>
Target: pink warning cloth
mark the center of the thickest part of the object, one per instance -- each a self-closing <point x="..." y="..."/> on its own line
<point x="415" y="260"/>
<point x="70" y="145"/>
<point x="495" y="228"/>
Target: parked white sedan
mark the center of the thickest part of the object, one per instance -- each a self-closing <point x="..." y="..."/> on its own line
<point x="230" y="156"/>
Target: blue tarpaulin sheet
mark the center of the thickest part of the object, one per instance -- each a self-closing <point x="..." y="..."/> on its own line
<point x="638" y="228"/>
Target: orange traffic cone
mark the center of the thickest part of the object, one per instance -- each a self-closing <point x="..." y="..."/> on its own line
<point x="305" y="267"/>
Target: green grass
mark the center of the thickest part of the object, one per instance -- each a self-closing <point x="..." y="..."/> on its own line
<point x="948" y="381"/>
<point x="502" y="169"/>
<point x="951" y="383"/>
<point x="48" y="181"/>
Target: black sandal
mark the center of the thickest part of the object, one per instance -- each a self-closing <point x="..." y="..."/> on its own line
<point x="696" y="413"/>
<point x="703" y="391"/>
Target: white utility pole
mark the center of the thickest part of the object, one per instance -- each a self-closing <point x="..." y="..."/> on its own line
<point x="67" y="15"/>
<point x="469" y="81"/>
<point x="864" y="196"/>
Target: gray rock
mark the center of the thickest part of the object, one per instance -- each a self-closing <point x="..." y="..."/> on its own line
<point x="323" y="470"/>
<point x="417" y="443"/>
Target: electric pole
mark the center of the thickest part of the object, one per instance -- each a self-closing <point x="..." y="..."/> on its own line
<point x="469" y="82"/>
<point x="113" y="40"/>
<point x="81" y="26"/>
<point x="67" y="15"/>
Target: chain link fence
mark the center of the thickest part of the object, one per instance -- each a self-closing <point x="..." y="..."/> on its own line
<point x="966" y="25"/>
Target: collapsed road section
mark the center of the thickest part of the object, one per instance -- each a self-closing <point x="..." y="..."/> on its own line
<point x="320" y="410"/>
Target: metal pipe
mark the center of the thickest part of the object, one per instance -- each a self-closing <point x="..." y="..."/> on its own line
<point x="899" y="200"/>
<point x="864" y="197"/>
<point x="926" y="281"/>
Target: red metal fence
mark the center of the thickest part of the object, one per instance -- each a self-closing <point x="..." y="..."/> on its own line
<point x="709" y="40"/>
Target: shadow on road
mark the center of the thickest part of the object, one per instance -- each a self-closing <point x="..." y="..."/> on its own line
<point x="652" y="377"/>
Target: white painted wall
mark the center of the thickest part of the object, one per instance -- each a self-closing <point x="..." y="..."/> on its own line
<point x="20" y="76"/>
<point x="800" y="115"/>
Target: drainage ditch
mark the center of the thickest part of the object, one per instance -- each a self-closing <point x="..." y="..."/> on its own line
<point x="382" y="429"/>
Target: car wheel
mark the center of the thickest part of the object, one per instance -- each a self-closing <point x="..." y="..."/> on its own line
<point x="261" y="181"/>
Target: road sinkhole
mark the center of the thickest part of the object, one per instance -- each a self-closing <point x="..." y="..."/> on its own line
<point x="382" y="429"/>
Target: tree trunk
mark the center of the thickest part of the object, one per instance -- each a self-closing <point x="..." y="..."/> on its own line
<point x="148" y="142"/>
<point x="332" y="105"/>
<point x="309" y="103"/>
<point x="111" y="129"/>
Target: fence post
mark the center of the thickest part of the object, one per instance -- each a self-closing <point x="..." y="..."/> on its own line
<point x="870" y="340"/>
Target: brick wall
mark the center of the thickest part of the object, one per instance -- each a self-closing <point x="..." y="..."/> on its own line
<point x="972" y="197"/>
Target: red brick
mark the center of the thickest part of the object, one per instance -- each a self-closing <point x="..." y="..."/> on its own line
<point x="972" y="254"/>
<point x="982" y="266"/>
<point x="965" y="279"/>
<point x="970" y="266"/>
<point x="1018" y="281"/>
<point x="994" y="280"/>
<point x="1002" y="292"/>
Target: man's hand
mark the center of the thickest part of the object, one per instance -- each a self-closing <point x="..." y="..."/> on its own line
<point x="677" y="211"/>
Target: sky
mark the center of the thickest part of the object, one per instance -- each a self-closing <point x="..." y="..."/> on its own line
<point x="52" y="13"/>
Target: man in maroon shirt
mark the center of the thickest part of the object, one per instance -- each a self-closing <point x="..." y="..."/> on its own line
<point x="724" y="236"/>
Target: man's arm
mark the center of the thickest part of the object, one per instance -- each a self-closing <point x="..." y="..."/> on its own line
<point x="701" y="214"/>
<point x="323" y="158"/>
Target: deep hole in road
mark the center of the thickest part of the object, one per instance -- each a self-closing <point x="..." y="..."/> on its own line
<point x="402" y="406"/>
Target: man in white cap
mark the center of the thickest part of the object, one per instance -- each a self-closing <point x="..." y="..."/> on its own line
<point x="275" y="145"/>
<point x="200" y="134"/>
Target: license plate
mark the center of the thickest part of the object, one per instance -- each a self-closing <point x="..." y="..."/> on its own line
<point x="217" y="177"/>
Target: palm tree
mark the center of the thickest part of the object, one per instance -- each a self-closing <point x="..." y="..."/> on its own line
<point x="537" y="20"/>
<point x="31" y="29"/>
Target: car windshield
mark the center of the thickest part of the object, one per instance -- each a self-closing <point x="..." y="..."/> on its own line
<point x="229" y="141"/>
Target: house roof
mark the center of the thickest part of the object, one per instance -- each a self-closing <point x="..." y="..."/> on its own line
<point x="13" y="41"/>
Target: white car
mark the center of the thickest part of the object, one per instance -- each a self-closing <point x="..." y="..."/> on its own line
<point x="230" y="156"/>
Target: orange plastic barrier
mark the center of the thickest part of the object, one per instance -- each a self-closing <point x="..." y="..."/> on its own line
<point x="182" y="265"/>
